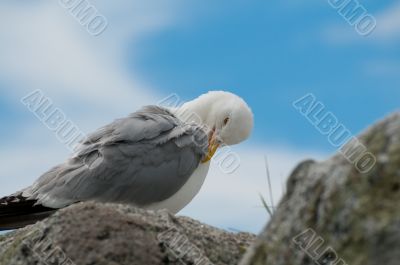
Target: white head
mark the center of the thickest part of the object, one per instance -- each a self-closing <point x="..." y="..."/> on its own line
<point x="227" y="116"/>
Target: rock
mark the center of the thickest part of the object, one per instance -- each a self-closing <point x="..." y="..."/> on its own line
<point x="339" y="211"/>
<point x="97" y="234"/>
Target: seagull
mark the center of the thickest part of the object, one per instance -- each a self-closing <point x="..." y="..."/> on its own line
<point x="155" y="158"/>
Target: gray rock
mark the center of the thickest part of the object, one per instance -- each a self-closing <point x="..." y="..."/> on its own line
<point x="97" y="234"/>
<point x="334" y="213"/>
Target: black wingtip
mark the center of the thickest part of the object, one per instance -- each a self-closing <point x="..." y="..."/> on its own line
<point x="17" y="211"/>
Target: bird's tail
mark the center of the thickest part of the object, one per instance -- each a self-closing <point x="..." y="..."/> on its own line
<point x="17" y="211"/>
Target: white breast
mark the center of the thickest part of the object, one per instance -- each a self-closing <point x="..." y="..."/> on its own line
<point x="185" y="195"/>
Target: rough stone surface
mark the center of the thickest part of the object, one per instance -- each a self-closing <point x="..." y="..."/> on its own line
<point x="107" y="234"/>
<point x="334" y="214"/>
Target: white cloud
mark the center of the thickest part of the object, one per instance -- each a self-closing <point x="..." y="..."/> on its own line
<point x="44" y="47"/>
<point x="388" y="27"/>
<point x="386" y="32"/>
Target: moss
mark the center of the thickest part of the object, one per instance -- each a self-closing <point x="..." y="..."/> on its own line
<point x="242" y="249"/>
<point x="13" y="249"/>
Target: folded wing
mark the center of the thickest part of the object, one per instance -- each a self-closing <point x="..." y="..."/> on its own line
<point x="141" y="159"/>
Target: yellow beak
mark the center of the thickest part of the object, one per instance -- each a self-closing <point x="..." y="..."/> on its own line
<point x="213" y="145"/>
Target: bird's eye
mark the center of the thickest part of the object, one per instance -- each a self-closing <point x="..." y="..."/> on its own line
<point x="226" y="121"/>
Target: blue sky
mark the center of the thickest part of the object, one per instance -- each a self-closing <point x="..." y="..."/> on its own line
<point x="270" y="53"/>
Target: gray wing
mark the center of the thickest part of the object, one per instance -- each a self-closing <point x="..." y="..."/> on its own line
<point x="141" y="159"/>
